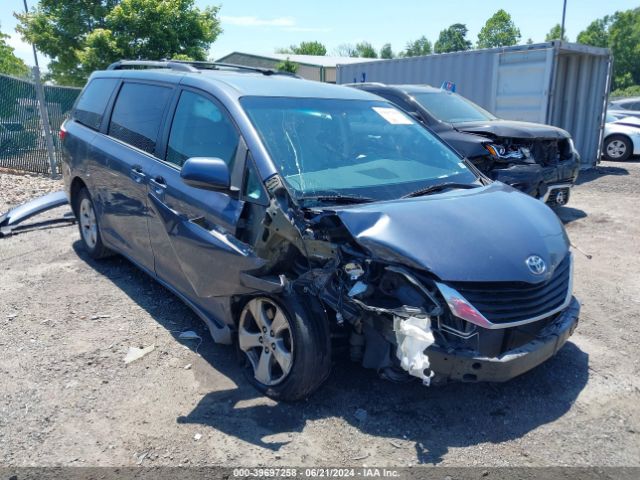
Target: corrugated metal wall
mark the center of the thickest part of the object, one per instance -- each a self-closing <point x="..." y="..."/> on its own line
<point x="522" y="82"/>
<point x="579" y="98"/>
<point x="556" y="83"/>
<point x="463" y="68"/>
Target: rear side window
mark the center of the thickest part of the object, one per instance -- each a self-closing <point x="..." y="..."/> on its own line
<point x="137" y="114"/>
<point x="93" y="101"/>
<point x="200" y="129"/>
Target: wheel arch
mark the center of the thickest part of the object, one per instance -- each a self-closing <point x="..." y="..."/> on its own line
<point x="616" y="134"/>
<point x="77" y="184"/>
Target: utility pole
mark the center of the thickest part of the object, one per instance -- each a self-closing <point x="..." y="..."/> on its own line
<point x="564" y="13"/>
<point x="44" y="111"/>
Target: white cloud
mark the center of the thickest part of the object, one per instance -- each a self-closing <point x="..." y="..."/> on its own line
<point x="259" y="22"/>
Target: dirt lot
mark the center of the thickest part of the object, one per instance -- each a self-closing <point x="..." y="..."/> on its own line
<point x="67" y="397"/>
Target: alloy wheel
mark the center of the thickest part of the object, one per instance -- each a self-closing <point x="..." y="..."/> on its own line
<point x="88" y="224"/>
<point x="264" y="335"/>
<point x="616" y="149"/>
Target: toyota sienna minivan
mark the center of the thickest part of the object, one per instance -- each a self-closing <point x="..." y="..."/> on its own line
<point x="293" y="216"/>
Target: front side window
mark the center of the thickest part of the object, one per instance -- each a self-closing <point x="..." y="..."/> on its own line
<point x="451" y="108"/>
<point x="351" y="147"/>
<point x="93" y="101"/>
<point x="137" y="114"/>
<point x="200" y="129"/>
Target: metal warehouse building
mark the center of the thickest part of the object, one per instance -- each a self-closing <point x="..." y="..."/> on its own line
<point x="311" y="67"/>
<point x="557" y="83"/>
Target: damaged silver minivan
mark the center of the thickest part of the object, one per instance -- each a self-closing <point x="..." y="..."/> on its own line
<point x="291" y="215"/>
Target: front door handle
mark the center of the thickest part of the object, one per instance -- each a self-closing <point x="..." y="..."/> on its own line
<point x="137" y="174"/>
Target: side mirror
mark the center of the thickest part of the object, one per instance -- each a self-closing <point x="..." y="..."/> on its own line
<point x="206" y="173"/>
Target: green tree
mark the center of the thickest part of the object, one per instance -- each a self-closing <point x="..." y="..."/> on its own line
<point x="621" y="33"/>
<point x="287" y="66"/>
<point x="452" y="39"/>
<point x="499" y="31"/>
<point x="597" y="33"/>
<point x="554" y="34"/>
<point x="346" y="50"/>
<point x="529" y="41"/>
<point x="417" y="48"/>
<point x="309" y="48"/>
<point x="360" y="49"/>
<point x="9" y="63"/>
<point x="365" y="50"/>
<point x="80" y="37"/>
<point x="386" y="51"/>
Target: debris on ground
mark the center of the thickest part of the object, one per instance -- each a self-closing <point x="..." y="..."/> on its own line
<point x="189" y="335"/>
<point x="135" y="353"/>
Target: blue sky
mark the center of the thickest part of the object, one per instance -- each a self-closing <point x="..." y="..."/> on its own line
<point x="258" y="26"/>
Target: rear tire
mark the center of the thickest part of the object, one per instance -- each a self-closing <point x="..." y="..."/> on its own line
<point x="284" y="346"/>
<point x="89" y="226"/>
<point x="617" y="148"/>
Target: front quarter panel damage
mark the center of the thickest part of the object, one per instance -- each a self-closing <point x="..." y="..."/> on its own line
<point x="373" y="269"/>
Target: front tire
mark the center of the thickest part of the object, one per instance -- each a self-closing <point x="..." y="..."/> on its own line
<point x="285" y="348"/>
<point x="89" y="227"/>
<point x="617" y="148"/>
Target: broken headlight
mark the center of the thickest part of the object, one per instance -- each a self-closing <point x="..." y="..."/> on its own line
<point x="461" y="308"/>
<point x="507" y="152"/>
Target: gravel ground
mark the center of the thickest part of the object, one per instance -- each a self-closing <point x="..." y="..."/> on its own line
<point x="18" y="188"/>
<point x="67" y="397"/>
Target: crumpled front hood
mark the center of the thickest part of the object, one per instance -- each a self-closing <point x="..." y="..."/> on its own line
<point x="513" y="129"/>
<point x="479" y="235"/>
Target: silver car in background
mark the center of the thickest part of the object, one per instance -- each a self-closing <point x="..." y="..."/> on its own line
<point x="625" y="107"/>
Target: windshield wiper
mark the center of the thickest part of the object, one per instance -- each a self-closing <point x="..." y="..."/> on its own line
<point x="439" y="187"/>
<point x="336" y="199"/>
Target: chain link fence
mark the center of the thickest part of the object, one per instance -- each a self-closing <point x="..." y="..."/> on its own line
<point x="23" y="145"/>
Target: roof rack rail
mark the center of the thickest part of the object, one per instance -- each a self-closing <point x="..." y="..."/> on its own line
<point x="173" y="65"/>
<point x="192" y="66"/>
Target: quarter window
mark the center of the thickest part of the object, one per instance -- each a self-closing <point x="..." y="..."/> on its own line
<point x="93" y="101"/>
<point x="137" y="114"/>
<point x="200" y="129"/>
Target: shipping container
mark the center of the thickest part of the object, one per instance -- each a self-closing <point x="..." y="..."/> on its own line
<point x="557" y="83"/>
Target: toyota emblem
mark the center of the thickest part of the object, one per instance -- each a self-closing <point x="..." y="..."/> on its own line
<point x="536" y="265"/>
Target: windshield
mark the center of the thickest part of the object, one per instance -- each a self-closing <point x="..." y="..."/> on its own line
<point x="451" y="108"/>
<point x="357" y="148"/>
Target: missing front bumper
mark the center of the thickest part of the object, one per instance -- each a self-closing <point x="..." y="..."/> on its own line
<point x="462" y="366"/>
